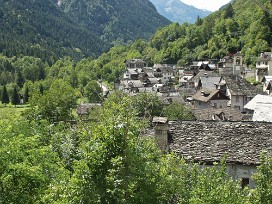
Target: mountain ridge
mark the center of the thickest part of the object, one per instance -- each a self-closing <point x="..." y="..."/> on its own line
<point x="177" y="11"/>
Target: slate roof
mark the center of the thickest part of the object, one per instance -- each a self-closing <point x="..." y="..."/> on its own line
<point x="265" y="57"/>
<point x="208" y="142"/>
<point x="212" y="114"/>
<point x="132" y="83"/>
<point x="240" y="87"/>
<point x="209" y="82"/>
<point x="262" y="106"/>
<point x="206" y="95"/>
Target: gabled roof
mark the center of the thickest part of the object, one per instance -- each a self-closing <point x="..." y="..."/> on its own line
<point x="132" y="83"/>
<point x="212" y="114"/>
<point x="206" y="95"/>
<point x="209" y="82"/>
<point x="208" y="142"/>
<point x="262" y="106"/>
<point x="134" y="70"/>
<point x="185" y="79"/>
<point x="240" y="87"/>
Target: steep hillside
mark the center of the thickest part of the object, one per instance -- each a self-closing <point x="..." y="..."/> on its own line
<point x="115" y="20"/>
<point x="40" y="29"/>
<point x="50" y="29"/>
<point x="244" y="26"/>
<point x="177" y="11"/>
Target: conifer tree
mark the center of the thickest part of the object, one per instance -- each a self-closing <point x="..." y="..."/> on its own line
<point x="4" y="96"/>
<point x="19" y="79"/>
<point x="41" y="89"/>
<point x="26" y="94"/>
<point x="15" y="99"/>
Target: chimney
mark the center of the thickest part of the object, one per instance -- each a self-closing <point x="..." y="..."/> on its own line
<point x="161" y="128"/>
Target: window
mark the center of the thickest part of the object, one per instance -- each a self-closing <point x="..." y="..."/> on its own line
<point x="244" y="182"/>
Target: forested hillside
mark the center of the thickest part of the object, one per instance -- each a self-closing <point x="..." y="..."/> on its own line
<point x="115" y="20"/>
<point x="241" y="26"/>
<point x="40" y="29"/>
<point x="77" y="29"/>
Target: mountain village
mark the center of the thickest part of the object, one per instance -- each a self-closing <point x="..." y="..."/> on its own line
<point x="233" y="116"/>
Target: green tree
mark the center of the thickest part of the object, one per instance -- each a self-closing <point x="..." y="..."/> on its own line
<point x="15" y="98"/>
<point x="93" y="91"/>
<point x="55" y="104"/>
<point x="116" y="164"/>
<point x="177" y="111"/>
<point x="213" y="185"/>
<point x="26" y="94"/>
<point x="4" y="96"/>
<point x="147" y="105"/>
<point x="19" y="78"/>
<point x="27" y="167"/>
<point x="263" y="179"/>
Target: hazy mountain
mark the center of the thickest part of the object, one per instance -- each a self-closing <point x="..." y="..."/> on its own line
<point x="177" y="11"/>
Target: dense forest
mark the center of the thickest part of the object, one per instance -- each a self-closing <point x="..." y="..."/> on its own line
<point x="50" y="155"/>
<point x="241" y="26"/>
<point x="116" y="21"/>
<point x="48" y="31"/>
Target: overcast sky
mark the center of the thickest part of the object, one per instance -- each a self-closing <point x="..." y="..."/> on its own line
<point x="211" y="5"/>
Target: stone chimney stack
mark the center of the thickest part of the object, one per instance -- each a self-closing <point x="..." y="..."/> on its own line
<point x="161" y="128"/>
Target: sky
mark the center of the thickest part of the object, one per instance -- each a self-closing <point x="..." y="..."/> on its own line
<point x="211" y="5"/>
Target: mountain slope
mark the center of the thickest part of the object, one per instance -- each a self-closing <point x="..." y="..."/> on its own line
<point x="50" y="29"/>
<point x="116" y="20"/>
<point x="244" y="26"/>
<point x="177" y="11"/>
<point x="40" y="29"/>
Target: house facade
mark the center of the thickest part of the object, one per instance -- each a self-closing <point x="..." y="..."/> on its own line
<point x="263" y="65"/>
<point x="231" y="65"/>
<point x="238" y="90"/>
<point x="209" y="98"/>
<point x="209" y="142"/>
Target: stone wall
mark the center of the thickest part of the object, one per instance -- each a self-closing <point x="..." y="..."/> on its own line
<point x="241" y="142"/>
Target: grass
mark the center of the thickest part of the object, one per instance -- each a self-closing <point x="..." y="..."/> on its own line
<point x="10" y="112"/>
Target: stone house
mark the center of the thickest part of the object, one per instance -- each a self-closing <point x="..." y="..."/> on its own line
<point x="208" y="142"/>
<point x="231" y="65"/>
<point x="209" y="98"/>
<point x="239" y="91"/>
<point x="204" y="73"/>
<point x="135" y="63"/>
<point x="164" y="72"/>
<point x="186" y="81"/>
<point x="133" y="74"/>
<point x="263" y="65"/>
